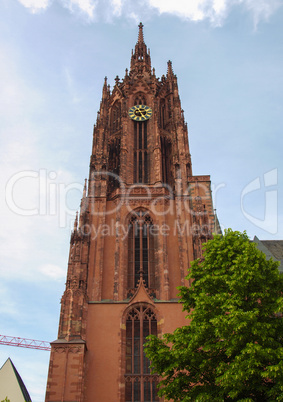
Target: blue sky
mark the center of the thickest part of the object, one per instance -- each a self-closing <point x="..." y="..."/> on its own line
<point x="228" y="57"/>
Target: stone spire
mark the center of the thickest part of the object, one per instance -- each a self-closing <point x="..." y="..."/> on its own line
<point x="102" y="114"/>
<point x="140" y="61"/>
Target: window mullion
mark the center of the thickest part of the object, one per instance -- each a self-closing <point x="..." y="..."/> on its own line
<point x="134" y="254"/>
<point x="141" y="355"/>
<point x="142" y="128"/>
<point x="133" y="345"/>
<point x="141" y="249"/>
<point x="148" y="257"/>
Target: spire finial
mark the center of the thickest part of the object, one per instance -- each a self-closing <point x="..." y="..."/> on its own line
<point x="170" y="72"/>
<point x="140" y="39"/>
<point x="104" y="90"/>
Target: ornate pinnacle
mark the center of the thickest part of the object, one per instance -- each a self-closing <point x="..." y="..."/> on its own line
<point x="76" y="222"/>
<point x="170" y="72"/>
<point x="104" y="91"/>
<point x="83" y="206"/>
<point x="84" y="190"/>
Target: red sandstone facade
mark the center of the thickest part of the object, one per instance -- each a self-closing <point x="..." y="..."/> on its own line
<point x="143" y="218"/>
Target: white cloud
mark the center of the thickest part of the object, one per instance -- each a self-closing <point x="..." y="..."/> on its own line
<point x="8" y="305"/>
<point x="70" y="83"/>
<point x="87" y="7"/>
<point x="117" y="7"/>
<point x="192" y="10"/>
<point x="24" y="162"/>
<point x="35" y="6"/>
<point x="133" y="16"/>
<point x="52" y="271"/>
<point x="214" y="11"/>
<point x="261" y="9"/>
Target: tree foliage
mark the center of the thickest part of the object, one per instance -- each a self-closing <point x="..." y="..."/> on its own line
<point x="233" y="348"/>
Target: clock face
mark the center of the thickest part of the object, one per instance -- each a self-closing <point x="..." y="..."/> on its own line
<point x="140" y="112"/>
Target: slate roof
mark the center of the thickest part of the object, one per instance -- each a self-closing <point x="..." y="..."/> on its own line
<point x="272" y="249"/>
<point x="21" y="384"/>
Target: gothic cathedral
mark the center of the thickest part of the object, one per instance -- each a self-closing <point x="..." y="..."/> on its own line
<point x="143" y="218"/>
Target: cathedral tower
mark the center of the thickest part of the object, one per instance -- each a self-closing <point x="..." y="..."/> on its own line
<point x="143" y="218"/>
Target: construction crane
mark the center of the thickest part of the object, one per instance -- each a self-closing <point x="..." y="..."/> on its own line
<point x="24" y="343"/>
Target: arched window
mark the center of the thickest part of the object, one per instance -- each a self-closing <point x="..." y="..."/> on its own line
<point x="162" y="113"/>
<point x="169" y="109"/>
<point x="115" y="123"/>
<point x="114" y="163"/>
<point x="140" y="145"/>
<point x="188" y="169"/>
<point x="166" y="152"/>
<point x="140" y="152"/>
<point x="140" y="384"/>
<point x="141" y="252"/>
<point x="140" y="99"/>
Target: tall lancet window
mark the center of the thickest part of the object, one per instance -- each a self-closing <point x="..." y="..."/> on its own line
<point x="166" y="151"/>
<point x="140" y="152"/>
<point x="141" y="252"/>
<point x="141" y="385"/>
<point x="115" y="122"/>
<point x="140" y="99"/>
<point x="114" y="163"/>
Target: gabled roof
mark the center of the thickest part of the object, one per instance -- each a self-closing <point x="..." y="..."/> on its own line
<point x="11" y="384"/>
<point x="272" y="249"/>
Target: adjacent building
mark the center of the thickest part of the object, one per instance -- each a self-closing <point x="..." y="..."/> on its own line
<point x="272" y="249"/>
<point x="12" y="386"/>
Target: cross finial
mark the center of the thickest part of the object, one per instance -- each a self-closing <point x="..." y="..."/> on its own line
<point x="140" y="39"/>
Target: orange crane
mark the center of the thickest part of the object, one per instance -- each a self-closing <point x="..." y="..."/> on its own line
<point x="24" y="343"/>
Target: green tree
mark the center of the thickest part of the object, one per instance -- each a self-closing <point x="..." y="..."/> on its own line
<point x="232" y="348"/>
<point x="6" y="400"/>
